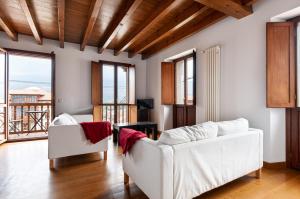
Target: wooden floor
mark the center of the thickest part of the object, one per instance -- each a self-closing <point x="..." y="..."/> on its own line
<point x="24" y="173"/>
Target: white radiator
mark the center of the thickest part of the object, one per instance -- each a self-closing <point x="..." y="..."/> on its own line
<point x="213" y="79"/>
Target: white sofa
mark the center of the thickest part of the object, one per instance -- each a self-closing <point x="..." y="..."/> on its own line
<point x="186" y="170"/>
<point x="66" y="138"/>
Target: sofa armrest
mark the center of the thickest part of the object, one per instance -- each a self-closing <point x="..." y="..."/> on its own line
<point x="150" y="166"/>
<point x="261" y="143"/>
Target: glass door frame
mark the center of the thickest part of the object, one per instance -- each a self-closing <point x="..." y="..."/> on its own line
<point x="115" y="103"/>
<point x="51" y="56"/>
<point x="4" y="105"/>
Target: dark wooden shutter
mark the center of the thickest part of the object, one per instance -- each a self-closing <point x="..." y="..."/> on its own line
<point x="281" y="71"/>
<point x="293" y="138"/>
<point x="167" y="83"/>
<point x="96" y="83"/>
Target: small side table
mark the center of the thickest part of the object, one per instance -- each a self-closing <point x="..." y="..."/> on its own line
<point x="147" y="127"/>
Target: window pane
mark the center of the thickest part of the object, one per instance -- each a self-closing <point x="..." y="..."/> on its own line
<point x="190" y="81"/>
<point x="122" y="85"/>
<point x="2" y="72"/>
<point x="131" y="85"/>
<point x="108" y="84"/>
<point x="180" y="82"/>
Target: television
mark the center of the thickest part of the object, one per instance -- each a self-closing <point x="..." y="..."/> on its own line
<point x="145" y="103"/>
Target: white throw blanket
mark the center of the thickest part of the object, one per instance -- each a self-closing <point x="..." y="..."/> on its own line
<point x="189" y="133"/>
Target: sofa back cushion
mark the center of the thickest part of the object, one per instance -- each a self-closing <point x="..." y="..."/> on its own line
<point x="234" y="126"/>
<point x="64" y="119"/>
<point x="189" y="133"/>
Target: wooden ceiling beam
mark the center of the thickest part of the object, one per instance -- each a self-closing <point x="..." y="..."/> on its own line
<point x="229" y="7"/>
<point x="94" y="11"/>
<point x="185" y="31"/>
<point x="127" y="9"/>
<point x="7" y="27"/>
<point x="61" y="21"/>
<point x="180" y="20"/>
<point x="31" y="21"/>
<point x="157" y="15"/>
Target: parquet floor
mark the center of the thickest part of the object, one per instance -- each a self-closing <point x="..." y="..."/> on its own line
<point x="24" y="173"/>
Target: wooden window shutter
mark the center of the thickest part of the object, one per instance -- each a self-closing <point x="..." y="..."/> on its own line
<point x="281" y="68"/>
<point x="167" y="83"/>
<point x="98" y="113"/>
<point x="96" y="74"/>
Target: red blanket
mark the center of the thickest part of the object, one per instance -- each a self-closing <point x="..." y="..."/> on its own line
<point x="96" y="131"/>
<point x="128" y="137"/>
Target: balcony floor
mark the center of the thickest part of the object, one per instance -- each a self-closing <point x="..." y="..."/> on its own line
<point x="24" y="136"/>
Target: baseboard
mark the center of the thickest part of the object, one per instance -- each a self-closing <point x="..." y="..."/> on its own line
<point x="275" y="165"/>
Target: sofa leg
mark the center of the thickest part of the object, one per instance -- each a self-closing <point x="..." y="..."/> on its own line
<point x="126" y="179"/>
<point x="51" y="163"/>
<point x="258" y="173"/>
<point x="105" y="155"/>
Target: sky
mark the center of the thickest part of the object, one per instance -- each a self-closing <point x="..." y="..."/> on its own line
<point x="26" y="72"/>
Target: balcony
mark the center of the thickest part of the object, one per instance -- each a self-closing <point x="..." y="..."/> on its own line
<point x="117" y="113"/>
<point x="28" y="120"/>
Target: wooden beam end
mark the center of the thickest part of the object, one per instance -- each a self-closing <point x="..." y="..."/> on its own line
<point x="116" y="52"/>
<point x="100" y="50"/>
<point x="82" y="47"/>
<point x="131" y="54"/>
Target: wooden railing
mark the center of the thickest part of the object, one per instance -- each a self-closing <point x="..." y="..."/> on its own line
<point x="20" y="120"/>
<point x="119" y="113"/>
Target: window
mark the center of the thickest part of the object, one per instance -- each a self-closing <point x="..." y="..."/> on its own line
<point x="184" y="80"/>
<point x="118" y="90"/>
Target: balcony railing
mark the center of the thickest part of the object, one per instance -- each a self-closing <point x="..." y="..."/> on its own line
<point x="109" y="113"/>
<point x="29" y="117"/>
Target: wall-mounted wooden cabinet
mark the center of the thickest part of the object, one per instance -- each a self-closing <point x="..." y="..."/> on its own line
<point x="281" y="67"/>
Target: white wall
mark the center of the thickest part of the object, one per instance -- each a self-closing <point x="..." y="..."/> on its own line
<point x="73" y="76"/>
<point x="243" y="78"/>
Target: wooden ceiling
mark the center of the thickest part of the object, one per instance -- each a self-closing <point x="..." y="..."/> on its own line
<point x="134" y="26"/>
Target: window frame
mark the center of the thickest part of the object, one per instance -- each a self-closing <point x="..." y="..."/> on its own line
<point x="116" y="64"/>
<point x="185" y="58"/>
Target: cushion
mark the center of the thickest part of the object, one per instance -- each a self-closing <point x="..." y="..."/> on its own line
<point x="189" y="133"/>
<point x="64" y="119"/>
<point x="234" y="126"/>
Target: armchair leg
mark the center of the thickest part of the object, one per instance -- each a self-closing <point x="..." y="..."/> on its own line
<point x="126" y="179"/>
<point x="258" y="173"/>
<point x="105" y="155"/>
<point x="51" y="163"/>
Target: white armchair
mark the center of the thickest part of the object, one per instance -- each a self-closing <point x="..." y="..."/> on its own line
<point x="66" y="138"/>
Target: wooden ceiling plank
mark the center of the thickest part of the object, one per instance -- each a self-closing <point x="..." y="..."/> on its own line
<point x="61" y="22"/>
<point x="180" y="20"/>
<point x="157" y="15"/>
<point x="31" y="21"/>
<point x="184" y="32"/>
<point x="94" y="11"/>
<point x="228" y="7"/>
<point x="119" y="19"/>
<point x="7" y="27"/>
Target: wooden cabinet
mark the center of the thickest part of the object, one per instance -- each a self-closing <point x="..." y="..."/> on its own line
<point x="167" y="83"/>
<point x="281" y="69"/>
<point x="293" y="138"/>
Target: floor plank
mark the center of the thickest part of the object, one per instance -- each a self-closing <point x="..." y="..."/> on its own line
<point x="24" y="173"/>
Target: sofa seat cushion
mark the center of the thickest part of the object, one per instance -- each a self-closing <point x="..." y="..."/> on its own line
<point x="189" y="133"/>
<point x="234" y="126"/>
